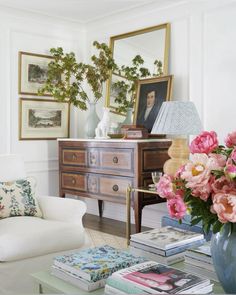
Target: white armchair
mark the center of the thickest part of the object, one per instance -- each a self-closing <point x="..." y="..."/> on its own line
<point x="25" y="237"/>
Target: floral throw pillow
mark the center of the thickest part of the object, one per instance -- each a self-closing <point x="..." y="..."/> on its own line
<point x="17" y="198"/>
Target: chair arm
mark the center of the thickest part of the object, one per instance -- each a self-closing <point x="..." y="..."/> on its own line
<point x="62" y="209"/>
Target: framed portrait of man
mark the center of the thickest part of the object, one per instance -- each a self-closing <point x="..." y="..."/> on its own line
<point x="151" y="93"/>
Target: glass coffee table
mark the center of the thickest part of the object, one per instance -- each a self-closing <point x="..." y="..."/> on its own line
<point x="49" y="284"/>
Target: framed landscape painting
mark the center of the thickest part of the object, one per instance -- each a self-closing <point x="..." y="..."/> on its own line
<point x="32" y="72"/>
<point x="43" y="119"/>
<point x="151" y="93"/>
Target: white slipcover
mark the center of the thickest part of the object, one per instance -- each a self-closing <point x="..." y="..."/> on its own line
<point x="23" y="237"/>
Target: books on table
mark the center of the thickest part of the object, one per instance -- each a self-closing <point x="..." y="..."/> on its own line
<point x="166" y="238"/>
<point x="198" y="260"/>
<point x="154" y="278"/>
<point x="165" y="245"/>
<point x="89" y="268"/>
<point x="168" y="260"/>
<point x="76" y="280"/>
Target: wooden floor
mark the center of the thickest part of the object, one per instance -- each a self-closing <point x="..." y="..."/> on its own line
<point x="106" y="225"/>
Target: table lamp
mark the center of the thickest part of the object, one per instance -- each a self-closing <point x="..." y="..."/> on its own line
<point x="178" y="119"/>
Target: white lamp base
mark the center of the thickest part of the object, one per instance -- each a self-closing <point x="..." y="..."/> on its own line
<point x="179" y="155"/>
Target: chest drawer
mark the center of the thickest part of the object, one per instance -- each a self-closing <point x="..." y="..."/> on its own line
<point x="116" y="159"/>
<point x="74" y="157"/>
<point x="74" y="181"/>
<point x="114" y="186"/>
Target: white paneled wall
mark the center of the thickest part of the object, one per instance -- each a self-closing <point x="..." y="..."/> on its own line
<point x="202" y="60"/>
<point x="23" y="33"/>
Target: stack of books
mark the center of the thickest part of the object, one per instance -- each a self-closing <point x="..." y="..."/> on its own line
<point x="153" y="278"/>
<point x="165" y="245"/>
<point x="199" y="261"/>
<point x="89" y="268"/>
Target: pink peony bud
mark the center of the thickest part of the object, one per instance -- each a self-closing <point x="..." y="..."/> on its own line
<point x="233" y="155"/>
<point x="164" y="186"/>
<point x="176" y="207"/>
<point x="230" y="171"/>
<point x="179" y="172"/>
<point x="205" y="143"/>
<point x="230" y="140"/>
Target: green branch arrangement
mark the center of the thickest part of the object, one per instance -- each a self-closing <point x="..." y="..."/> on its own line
<point x="65" y="75"/>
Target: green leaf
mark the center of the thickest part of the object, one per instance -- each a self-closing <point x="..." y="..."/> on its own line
<point x="195" y="221"/>
<point x="217" y="226"/>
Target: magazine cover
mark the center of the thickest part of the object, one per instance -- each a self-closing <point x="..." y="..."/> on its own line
<point x="158" y="278"/>
<point x="96" y="263"/>
<point x="166" y="237"/>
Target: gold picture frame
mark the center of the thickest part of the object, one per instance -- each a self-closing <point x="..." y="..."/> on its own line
<point x="41" y="119"/>
<point x="155" y="37"/>
<point x="32" y="72"/>
<point x="151" y="93"/>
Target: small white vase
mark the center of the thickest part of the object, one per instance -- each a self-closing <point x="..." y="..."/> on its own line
<point x="92" y="121"/>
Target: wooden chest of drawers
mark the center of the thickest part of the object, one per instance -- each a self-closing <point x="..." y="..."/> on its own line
<point x="103" y="169"/>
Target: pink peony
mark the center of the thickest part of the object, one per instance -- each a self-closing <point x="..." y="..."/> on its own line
<point x="225" y="207"/>
<point x="223" y="185"/>
<point x="176" y="207"/>
<point x="205" y="143"/>
<point x="197" y="174"/>
<point x="220" y="160"/>
<point x="202" y="192"/>
<point x="164" y="186"/>
<point x="230" y="140"/>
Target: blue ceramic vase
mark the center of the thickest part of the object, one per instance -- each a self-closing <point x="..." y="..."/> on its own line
<point x="223" y="250"/>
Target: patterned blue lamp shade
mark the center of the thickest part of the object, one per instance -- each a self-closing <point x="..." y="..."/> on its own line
<point x="179" y="118"/>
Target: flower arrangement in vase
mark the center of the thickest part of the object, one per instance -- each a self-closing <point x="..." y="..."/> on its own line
<point x="205" y="187"/>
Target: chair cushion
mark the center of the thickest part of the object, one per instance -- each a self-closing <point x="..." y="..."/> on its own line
<point x="24" y="236"/>
<point x="17" y="198"/>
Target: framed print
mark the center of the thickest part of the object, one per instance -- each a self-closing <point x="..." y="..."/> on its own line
<point x="43" y="119"/>
<point x="151" y="93"/>
<point x="32" y="72"/>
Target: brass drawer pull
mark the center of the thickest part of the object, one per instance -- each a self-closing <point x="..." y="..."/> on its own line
<point x="115" y="188"/>
<point x="73" y="181"/>
<point x="115" y="160"/>
<point x="74" y="157"/>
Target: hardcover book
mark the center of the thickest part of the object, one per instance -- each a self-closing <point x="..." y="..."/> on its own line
<point x="96" y="263"/>
<point x="77" y="281"/>
<point x="157" y="278"/>
<point x="169" y="252"/>
<point x="123" y="286"/>
<point x="168" y="260"/>
<point x="166" y="237"/>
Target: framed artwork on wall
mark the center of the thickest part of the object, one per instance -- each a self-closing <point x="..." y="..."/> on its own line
<point x="32" y="72"/>
<point x="151" y="93"/>
<point x="43" y="119"/>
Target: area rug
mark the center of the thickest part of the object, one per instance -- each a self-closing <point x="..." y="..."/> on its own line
<point x="97" y="238"/>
